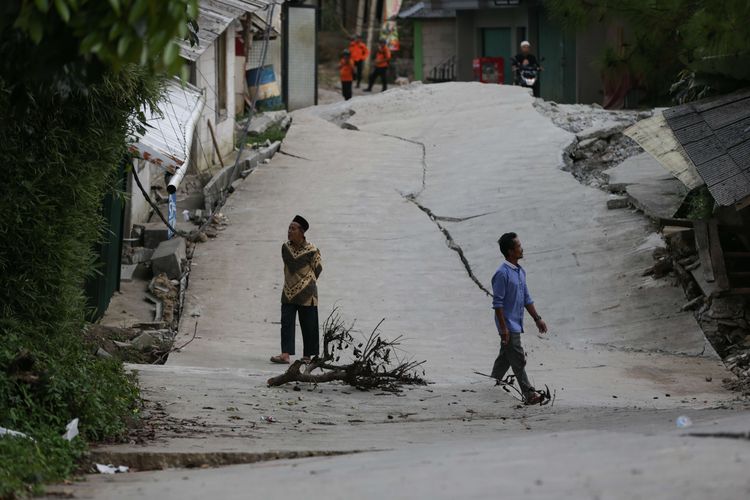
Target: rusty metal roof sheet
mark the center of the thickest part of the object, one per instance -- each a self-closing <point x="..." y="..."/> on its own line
<point x="214" y="17"/>
<point x="715" y="134"/>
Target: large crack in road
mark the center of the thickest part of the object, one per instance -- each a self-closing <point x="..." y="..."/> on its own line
<point x="341" y="120"/>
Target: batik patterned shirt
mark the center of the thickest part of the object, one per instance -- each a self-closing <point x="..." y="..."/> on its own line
<point x="302" y="266"/>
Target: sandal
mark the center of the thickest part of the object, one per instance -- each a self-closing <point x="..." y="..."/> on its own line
<point x="279" y="360"/>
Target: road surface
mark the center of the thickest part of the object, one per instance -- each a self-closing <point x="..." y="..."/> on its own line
<point x="406" y="202"/>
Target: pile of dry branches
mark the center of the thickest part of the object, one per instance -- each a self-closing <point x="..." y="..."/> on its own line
<point x="374" y="363"/>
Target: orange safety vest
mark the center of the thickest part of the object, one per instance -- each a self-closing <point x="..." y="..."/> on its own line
<point x="346" y="70"/>
<point x="382" y="58"/>
<point x="359" y="51"/>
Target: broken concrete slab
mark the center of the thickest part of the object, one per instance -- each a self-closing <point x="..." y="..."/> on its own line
<point x="617" y="202"/>
<point x="657" y="201"/>
<point x="154" y="233"/>
<point x="601" y="130"/>
<point x="127" y="271"/>
<point x="144" y="341"/>
<point x="102" y="353"/>
<point x="651" y="189"/>
<point x="169" y="257"/>
<point x="136" y="255"/>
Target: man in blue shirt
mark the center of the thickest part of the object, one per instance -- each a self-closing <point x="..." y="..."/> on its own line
<point x="510" y="296"/>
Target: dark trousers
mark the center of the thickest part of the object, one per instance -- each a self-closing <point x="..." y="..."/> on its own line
<point x="359" y="66"/>
<point x="308" y="321"/>
<point x="382" y="73"/>
<point x="513" y="356"/>
<point x="346" y="89"/>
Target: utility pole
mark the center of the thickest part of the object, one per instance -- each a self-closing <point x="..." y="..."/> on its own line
<point x="374" y="21"/>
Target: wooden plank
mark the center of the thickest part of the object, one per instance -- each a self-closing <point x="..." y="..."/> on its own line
<point x="701" y="243"/>
<point x="717" y="256"/>
<point x="676" y="222"/>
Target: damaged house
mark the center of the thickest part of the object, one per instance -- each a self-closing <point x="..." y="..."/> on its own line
<point x="706" y="145"/>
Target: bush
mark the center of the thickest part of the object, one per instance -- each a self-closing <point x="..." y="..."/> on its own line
<point x="59" y="157"/>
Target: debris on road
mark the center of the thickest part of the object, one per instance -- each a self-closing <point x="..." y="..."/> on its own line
<point x="110" y="469"/>
<point x="375" y="363"/>
<point x="541" y="398"/>
<point x="683" y="421"/>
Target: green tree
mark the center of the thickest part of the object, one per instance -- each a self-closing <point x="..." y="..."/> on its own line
<point x="685" y="49"/>
<point x="73" y="75"/>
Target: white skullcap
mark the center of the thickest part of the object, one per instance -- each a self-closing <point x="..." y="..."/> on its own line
<point x="525" y="43"/>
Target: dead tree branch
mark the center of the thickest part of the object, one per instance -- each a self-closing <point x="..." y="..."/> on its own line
<point x="373" y="363"/>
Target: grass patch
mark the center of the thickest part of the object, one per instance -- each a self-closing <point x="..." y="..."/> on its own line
<point x="273" y="133"/>
<point x="26" y="465"/>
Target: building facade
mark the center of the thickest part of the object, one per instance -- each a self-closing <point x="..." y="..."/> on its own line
<point x="495" y="28"/>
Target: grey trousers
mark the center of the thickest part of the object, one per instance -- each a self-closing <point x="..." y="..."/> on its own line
<point x="513" y="356"/>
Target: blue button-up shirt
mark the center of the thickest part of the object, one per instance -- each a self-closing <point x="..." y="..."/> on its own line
<point x="510" y="293"/>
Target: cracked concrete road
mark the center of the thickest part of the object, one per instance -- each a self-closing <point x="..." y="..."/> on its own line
<point x="480" y="159"/>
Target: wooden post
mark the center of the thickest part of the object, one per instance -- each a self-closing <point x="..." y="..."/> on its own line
<point x="700" y="228"/>
<point x="247" y="38"/>
<point x="717" y="256"/>
<point x="216" y="144"/>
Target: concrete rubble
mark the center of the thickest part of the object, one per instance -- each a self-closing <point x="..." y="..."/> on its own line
<point x="170" y="257"/>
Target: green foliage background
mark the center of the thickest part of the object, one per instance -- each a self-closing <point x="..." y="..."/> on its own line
<point x="73" y="76"/>
<point x="681" y="49"/>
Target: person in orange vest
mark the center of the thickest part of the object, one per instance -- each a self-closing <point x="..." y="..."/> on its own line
<point x="359" y="53"/>
<point x="382" y="61"/>
<point x="346" y="71"/>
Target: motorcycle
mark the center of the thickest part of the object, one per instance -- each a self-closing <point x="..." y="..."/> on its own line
<point x="527" y="76"/>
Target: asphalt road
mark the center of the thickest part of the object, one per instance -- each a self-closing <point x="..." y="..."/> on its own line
<point x="623" y="360"/>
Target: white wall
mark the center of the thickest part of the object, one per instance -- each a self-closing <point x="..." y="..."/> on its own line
<point x="137" y="208"/>
<point x="204" y="152"/>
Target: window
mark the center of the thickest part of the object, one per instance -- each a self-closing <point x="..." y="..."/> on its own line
<point x="221" y="77"/>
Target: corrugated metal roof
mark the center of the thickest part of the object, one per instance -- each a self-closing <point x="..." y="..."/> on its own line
<point x="214" y="17"/>
<point x="169" y="131"/>
<point x="421" y="10"/>
<point x="715" y="134"/>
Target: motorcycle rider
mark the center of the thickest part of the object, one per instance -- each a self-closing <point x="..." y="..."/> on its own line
<point x="525" y="58"/>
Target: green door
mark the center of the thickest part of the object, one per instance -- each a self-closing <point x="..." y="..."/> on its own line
<point x="558" y="80"/>
<point x="496" y="43"/>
